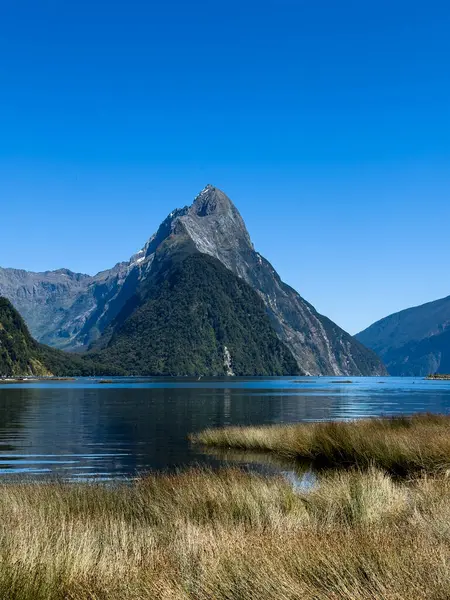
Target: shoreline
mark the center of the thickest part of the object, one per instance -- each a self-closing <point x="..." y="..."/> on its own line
<point x="402" y="446"/>
<point x="12" y="380"/>
<point x="203" y="534"/>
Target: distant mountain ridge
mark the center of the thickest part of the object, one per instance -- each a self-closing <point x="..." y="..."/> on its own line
<point x="415" y="341"/>
<point x="71" y="311"/>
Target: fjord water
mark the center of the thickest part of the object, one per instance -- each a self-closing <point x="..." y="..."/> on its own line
<point x="80" y="429"/>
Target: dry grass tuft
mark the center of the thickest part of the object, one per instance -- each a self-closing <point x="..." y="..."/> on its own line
<point x="399" y="445"/>
<point x="202" y="535"/>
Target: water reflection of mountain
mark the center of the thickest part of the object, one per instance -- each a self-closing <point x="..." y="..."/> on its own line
<point x="13" y="409"/>
<point x="120" y="430"/>
<point x="124" y="430"/>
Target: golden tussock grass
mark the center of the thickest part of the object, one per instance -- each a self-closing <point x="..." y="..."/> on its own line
<point x="227" y="535"/>
<point x="399" y="445"/>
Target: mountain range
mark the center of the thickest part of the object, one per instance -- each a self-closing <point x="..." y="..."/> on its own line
<point x="196" y="299"/>
<point x="415" y="341"/>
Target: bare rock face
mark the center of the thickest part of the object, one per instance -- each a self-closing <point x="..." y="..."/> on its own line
<point x="70" y="310"/>
<point x="52" y="303"/>
<point x="62" y="308"/>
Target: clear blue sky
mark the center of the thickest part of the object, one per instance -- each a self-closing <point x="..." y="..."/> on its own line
<point x="328" y="124"/>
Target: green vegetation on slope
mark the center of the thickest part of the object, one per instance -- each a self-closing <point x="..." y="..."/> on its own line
<point x="189" y="321"/>
<point x="201" y="535"/>
<point x="21" y="355"/>
<point x="399" y="445"/>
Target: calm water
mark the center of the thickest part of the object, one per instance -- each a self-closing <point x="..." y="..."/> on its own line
<point x="82" y="429"/>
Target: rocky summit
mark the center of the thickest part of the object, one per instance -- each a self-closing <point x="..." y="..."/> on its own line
<point x="74" y="311"/>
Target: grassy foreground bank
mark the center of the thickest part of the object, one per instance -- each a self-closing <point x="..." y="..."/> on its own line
<point x="398" y="445"/>
<point x="226" y="536"/>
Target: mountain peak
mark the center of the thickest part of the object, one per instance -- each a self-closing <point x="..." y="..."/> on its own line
<point x="209" y="201"/>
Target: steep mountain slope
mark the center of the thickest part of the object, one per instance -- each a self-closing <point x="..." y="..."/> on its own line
<point x="21" y="355"/>
<point x="215" y="227"/>
<point x="45" y="300"/>
<point x="212" y="225"/>
<point x="197" y="319"/>
<point x="415" y="341"/>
